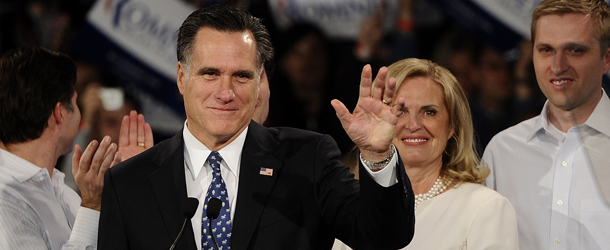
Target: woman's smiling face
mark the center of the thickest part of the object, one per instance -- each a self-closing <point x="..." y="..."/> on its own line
<point x="424" y="128"/>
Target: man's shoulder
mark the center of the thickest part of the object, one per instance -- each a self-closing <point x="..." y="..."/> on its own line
<point x="13" y="188"/>
<point x="283" y="135"/>
<point x="10" y="189"/>
<point x="511" y="143"/>
<point x="16" y="197"/>
<point x="285" y="142"/>
<point x="288" y="134"/>
<point x="144" y="162"/>
<point x="517" y="133"/>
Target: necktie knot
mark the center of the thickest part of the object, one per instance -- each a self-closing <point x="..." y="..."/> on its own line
<point x="214" y="160"/>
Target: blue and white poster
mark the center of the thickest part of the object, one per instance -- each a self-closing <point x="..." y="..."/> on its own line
<point x="340" y="19"/>
<point x="135" y="40"/>
<point x="501" y="24"/>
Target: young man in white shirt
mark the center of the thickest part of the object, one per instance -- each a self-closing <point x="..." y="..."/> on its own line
<point x="39" y="119"/>
<point x="551" y="167"/>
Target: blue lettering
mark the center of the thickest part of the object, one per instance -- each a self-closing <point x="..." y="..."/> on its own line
<point x="134" y="17"/>
<point x="339" y="11"/>
<point x="137" y="20"/>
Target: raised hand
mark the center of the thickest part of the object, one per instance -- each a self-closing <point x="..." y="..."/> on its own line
<point x="88" y="168"/>
<point x="372" y="125"/>
<point x="135" y="136"/>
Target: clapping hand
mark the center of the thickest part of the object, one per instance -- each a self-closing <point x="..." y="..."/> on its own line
<point x="372" y="125"/>
<point x="88" y="168"/>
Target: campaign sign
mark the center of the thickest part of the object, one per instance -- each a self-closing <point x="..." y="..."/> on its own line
<point x="340" y="19"/>
<point x="135" y="40"/>
<point x="482" y="22"/>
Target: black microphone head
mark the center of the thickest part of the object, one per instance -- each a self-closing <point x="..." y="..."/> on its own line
<point x="190" y="207"/>
<point x="214" y="206"/>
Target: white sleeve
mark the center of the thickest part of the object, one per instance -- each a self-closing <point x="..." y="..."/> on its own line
<point x="487" y="160"/>
<point x="84" y="233"/>
<point x="387" y="176"/>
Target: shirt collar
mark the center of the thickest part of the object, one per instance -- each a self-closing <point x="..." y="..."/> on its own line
<point x="598" y="120"/>
<point x="541" y="124"/>
<point x="21" y="169"/>
<point x="196" y="153"/>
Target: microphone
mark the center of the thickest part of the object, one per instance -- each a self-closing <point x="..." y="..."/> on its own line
<point x="214" y="206"/>
<point x="188" y="211"/>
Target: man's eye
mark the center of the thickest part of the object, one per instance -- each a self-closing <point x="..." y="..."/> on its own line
<point x="209" y="75"/>
<point x="545" y="50"/>
<point x="242" y="79"/>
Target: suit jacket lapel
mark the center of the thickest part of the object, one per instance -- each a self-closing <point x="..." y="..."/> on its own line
<point x="254" y="188"/>
<point x="169" y="187"/>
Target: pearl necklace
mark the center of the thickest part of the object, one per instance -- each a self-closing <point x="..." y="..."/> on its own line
<point x="439" y="187"/>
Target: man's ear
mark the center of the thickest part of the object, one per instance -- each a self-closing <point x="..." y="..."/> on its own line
<point x="607" y="61"/>
<point x="58" y="115"/>
<point x="262" y="75"/>
<point x="180" y="79"/>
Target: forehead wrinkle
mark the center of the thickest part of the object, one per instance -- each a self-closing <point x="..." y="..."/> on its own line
<point x="222" y="38"/>
<point x="584" y="26"/>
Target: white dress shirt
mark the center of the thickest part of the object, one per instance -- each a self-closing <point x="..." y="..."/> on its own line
<point x="198" y="173"/>
<point x="549" y="179"/>
<point x="38" y="212"/>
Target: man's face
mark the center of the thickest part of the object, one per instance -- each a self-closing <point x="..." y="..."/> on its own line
<point x="220" y="87"/>
<point x="568" y="62"/>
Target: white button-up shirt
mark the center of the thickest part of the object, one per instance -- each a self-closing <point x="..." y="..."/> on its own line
<point x="38" y="212"/>
<point x="549" y="178"/>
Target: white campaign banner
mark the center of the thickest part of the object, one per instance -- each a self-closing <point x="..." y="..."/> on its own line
<point x="516" y="14"/>
<point x="340" y="19"/>
<point x="147" y="29"/>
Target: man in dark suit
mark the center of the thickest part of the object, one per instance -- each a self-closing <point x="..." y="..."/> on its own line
<point x="281" y="188"/>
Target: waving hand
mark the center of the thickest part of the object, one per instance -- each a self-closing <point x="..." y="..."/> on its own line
<point x="372" y="125"/>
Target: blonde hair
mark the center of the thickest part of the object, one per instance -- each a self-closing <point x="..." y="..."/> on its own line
<point x="461" y="162"/>
<point x="598" y="10"/>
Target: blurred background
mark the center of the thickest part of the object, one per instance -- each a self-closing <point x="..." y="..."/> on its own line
<point x="125" y="53"/>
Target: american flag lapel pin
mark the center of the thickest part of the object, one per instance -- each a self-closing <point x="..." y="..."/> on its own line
<point x="266" y="171"/>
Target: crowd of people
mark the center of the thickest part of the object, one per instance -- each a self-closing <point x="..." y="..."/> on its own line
<point x="310" y="68"/>
<point x="463" y="148"/>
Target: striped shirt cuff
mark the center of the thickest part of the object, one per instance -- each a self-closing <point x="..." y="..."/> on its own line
<point x="85" y="226"/>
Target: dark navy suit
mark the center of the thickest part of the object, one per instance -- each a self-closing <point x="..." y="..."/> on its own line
<point x="310" y="199"/>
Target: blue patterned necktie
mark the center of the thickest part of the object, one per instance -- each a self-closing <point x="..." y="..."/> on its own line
<point x="221" y="226"/>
